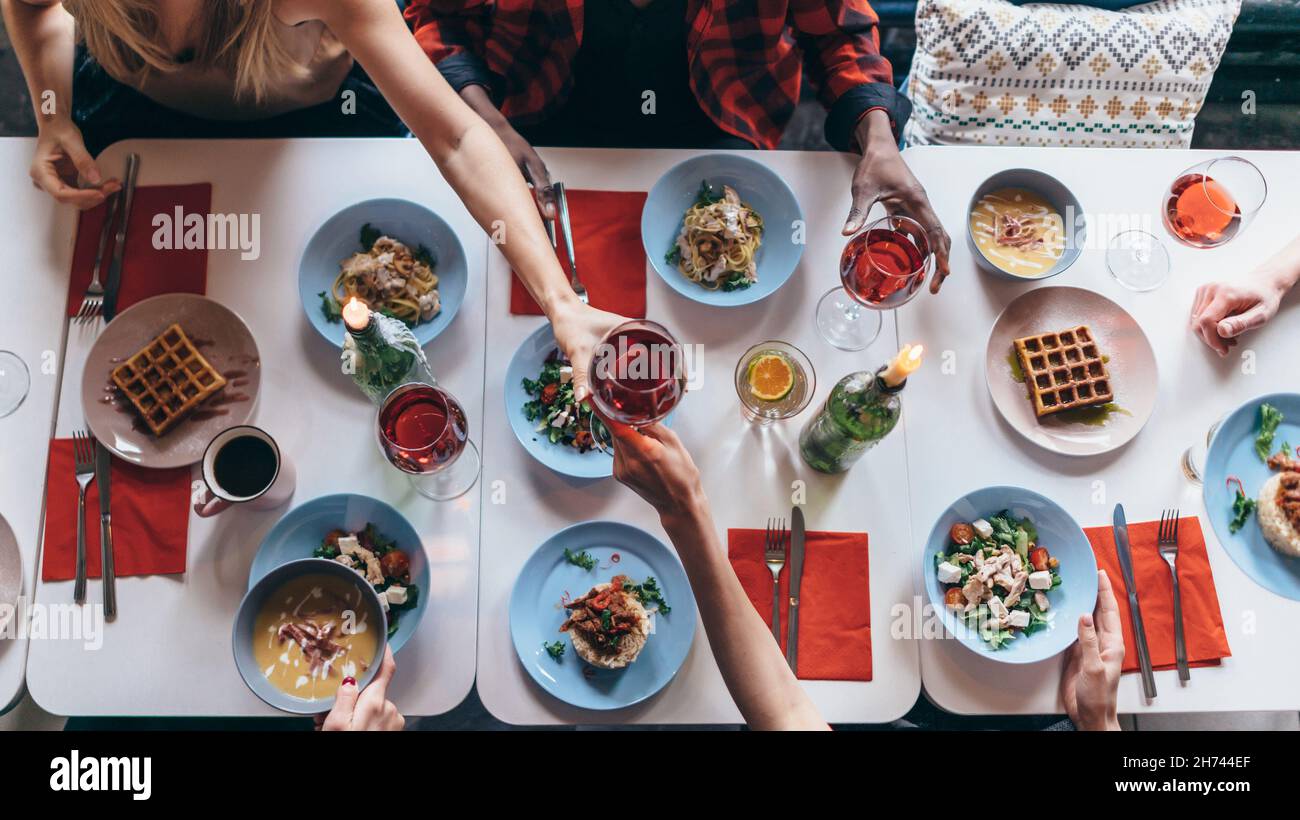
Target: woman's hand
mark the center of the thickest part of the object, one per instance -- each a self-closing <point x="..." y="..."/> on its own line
<point x="62" y="161"/>
<point x="882" y="176"/>
<point x="578" y="330"/>
<point x="654" y="464"/>
<point x="1090" y="681"/>
<point x="1223" y="311"/>
<point x="369" y="710"/>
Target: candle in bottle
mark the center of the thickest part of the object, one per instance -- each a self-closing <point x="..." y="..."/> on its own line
<point x="907" y="361"/>
<point x="356" y="315"/>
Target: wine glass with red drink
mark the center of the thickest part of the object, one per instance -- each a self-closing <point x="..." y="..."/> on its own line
<point x="1212" y="202"/>
<point x="882" y="267"/>
<point x="423" y="432"/>
<point x="638" y="373"/>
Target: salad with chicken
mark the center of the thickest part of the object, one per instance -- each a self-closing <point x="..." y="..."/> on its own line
<point x="376" y="557"/>
<point x="996" y="577"/>
<point x="552" y="406"/>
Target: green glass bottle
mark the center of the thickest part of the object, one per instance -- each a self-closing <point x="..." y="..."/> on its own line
<point x="381" y="353"/>
<point x="861" y="410"/>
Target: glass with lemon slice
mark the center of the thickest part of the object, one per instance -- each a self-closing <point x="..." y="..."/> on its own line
<point x="774" y="380"/>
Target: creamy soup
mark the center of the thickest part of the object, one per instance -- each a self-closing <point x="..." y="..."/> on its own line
<point x="1018" y="231"/>
<point x="311" y="633"/>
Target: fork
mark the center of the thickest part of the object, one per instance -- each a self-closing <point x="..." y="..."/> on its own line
<point x="774" y="543"/>
<point x="1167" y="544"/>
<point x="562" y="211"/>
<point x="92" y="303"/>
<point x="83" y="456"/>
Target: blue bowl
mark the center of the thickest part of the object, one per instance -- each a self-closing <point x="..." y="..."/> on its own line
<point x="536" y="615"/>
<point x="1232" y="453"/>
<point x="1057" y="195"/>
<point x="1059" y="533"/>
<point x="241" y="639"/>
<point x="299" y="533"/>
<point x="763" y="190"/>
<point x="406" y="221"/>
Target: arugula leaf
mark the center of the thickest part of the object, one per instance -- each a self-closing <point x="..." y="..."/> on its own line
<point x="555" y="649"/>
<point x="369" y="235"/>
<point x="649" y="593"/>
<point x="1269" y="419"/>
<point x="580" y="559"/>
<point x="1242" y="508"/>
<point x="329" y="306"/>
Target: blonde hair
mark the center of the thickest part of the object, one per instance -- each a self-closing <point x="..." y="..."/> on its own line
<point x="238" y="36"/>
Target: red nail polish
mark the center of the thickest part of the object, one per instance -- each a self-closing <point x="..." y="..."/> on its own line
<point x="349" y="680"/>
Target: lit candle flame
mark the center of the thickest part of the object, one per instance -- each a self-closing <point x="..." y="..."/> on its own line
<point x="905" y="363"/>
<point x="356" y="315"/>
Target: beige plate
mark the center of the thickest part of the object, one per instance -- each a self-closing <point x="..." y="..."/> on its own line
<point x="1132" y="366"/>
<point x="222" y="338"/>
<point x="11" y="571"/>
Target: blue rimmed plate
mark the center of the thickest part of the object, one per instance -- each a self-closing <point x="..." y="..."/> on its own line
<point x="1058" y="533"/>
<point x="759" y="187"/>
<point x="405" y="221"/>
<point x="536" y="614"/>
<point x="1232" y="453"/>
<point x="300" y="531"/>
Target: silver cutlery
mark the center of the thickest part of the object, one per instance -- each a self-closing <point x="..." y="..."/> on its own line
<point x="562" y="209"/>
<point x="796" y="578"/>
<point x="775" y="540"/>
<point x="1139" y="631"/>
<point x="103" y="480"/>
<point x="83" y="458"/>
<point x="93" y="300"/>
<point x="1167" y="544"/>
<point x="119" y="246"/>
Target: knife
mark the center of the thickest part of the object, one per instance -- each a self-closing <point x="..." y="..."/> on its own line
<point x="119" y="243"/>
<point x="103" y="477"/>
<point x="1139" y="631"/>
<point x="796" y="576"/>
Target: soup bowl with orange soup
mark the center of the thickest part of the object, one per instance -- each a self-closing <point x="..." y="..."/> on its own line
<point x="1024" y="224"/>
<point x="302" y="629"/>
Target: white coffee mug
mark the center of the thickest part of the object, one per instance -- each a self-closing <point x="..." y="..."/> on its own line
<point x="213" y="497"/>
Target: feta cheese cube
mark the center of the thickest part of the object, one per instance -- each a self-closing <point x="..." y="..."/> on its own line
<point x="1018" y="618"/>
<point x="982" y="528"/>
<point x="396" y="595"/>
<point x="566" y="374"/>
<point x="561" y="419"/>
<point x="1040" y="580"/>
<point x="348" y="544"/>
<point x="949" y="573"/>
<point x="383" y="601"/>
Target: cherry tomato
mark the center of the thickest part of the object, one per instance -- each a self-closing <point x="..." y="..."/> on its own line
<point x="954" y="598"/>
<point x="1039" y="558"/>
<point x="962" y="533"/>
<point x="395" y="564"/>
<point x="549" y="393"/>
<point x="332" y="539"/>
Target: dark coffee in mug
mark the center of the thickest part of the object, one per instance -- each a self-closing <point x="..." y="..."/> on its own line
<point x="245" y="466"/>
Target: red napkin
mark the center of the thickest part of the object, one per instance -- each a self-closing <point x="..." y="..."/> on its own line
<point x="611" y="259"/>
<point x="146" y="271"/>
<point x="151" y="515"/>
<point x="1207" y="643"/>
<point x="834" y="600"/>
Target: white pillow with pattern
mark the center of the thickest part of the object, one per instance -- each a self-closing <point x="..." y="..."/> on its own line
<point x="990" y="73"/>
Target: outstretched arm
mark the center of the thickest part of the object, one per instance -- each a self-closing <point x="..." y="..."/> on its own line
<point x="656" y="465"/>
<point x="1222" y="311"/>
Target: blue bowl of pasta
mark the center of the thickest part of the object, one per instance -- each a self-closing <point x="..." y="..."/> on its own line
<point x="396" y="255"/>
<point x="720" y="229"/>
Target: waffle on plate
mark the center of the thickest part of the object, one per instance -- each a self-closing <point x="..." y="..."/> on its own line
<point x="167" y="379"/>
<point x="1064" y="370"/>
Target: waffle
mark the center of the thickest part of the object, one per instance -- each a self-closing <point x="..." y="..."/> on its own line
<point x="1063" y="370"/>
<point x="167" y="379"/>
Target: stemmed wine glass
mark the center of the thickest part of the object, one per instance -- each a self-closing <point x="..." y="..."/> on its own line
<point x="1213" y="201"/>
<point x="422" y="431"/>
<point x="15" y="381"/>
<point x="638" y="373"/>
<point x="882" y="267"/>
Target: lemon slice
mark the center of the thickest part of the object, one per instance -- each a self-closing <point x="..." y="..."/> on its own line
<point x="771" y="378"/>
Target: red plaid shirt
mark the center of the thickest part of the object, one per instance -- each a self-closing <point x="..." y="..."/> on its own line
<point x="745" y="57"/>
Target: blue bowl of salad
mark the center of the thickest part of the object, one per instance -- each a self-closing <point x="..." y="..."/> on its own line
<point x="1009" y="572"/>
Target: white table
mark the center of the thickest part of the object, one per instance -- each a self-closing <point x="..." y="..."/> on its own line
<point x="38" y="235"/>
<point x="748" y="472"/>
<point x="168" y="652"/>
<point x="957" y="441"/>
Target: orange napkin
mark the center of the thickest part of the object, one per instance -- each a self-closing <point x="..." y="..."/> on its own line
<point x="146" y="271"/>
<point x="834" y="600"/>
<point x="1207" y="643"/>
<point x="151" y="516"/>
<point x="611" y="260"/>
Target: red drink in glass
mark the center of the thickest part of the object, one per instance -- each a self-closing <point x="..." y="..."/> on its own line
<point x="422" y="428"/>
<point x="884" y="267"/>
<point x="1201" y="212"/>
<point x="638" y="374"/>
